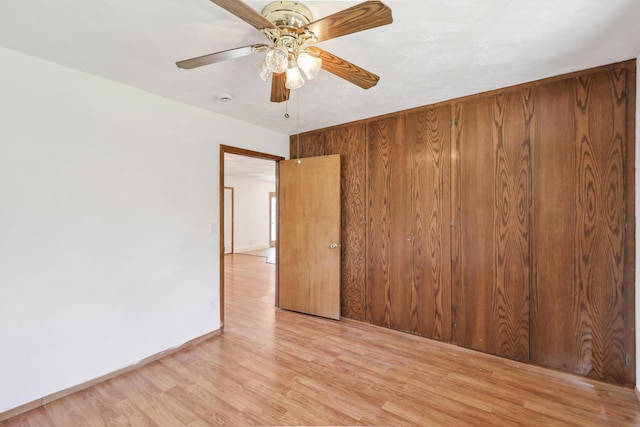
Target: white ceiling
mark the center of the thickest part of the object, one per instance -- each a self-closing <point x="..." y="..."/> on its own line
<point x="249" y="167"/>
<point x="434" y="50"/>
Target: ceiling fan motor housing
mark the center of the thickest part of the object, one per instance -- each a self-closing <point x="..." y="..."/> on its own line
<point x="288" y="17"/>
<point x="287" y="14"/>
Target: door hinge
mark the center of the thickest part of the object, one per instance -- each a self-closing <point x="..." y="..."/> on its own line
<point x="454" y="122"/>
<point x="626" y="226"/>
<point x="453" y="223"/>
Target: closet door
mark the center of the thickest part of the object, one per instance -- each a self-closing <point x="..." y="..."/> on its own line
<point x="428" y="140"/>
<point x="492" y="197"/>
<point x="578" y="295"/>
<point x="408" y="235"/>
<point x="389" y="268"/>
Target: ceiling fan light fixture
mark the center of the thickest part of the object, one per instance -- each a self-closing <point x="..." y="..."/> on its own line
<point x="277" y="59"/>
<point x="309" y="64"/>
<point x="294" y="78"/>
<point x="263" y="70"/>
<point x="290" y="29"/>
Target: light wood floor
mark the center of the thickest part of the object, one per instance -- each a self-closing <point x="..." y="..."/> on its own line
<point x="274" y="367"/>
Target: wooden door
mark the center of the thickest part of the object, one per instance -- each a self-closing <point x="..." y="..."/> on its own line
<point x="578" y="295"/>
<point x="389" y="240"/>
<point x="428" y="163"/>
<point x="408" y="281"/>
<point x="491" y="256"/>
<point x="309" y="236"/>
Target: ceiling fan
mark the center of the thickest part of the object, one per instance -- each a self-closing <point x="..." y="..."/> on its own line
<point x="292" y="34"/>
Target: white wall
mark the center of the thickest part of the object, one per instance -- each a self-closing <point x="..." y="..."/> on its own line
<point x="107" y="199"/>
<point x="251" y="212"/>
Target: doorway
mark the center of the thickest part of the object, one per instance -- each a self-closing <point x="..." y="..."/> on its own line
<point x="247" y="172"/>
<point x="273" y="208"/>
<point x="228" y="221"/>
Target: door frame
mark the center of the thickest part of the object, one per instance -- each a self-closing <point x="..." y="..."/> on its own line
<point x="224" y="223"/>
<point x="248" y="153"/>
<point x="273" y="237"/>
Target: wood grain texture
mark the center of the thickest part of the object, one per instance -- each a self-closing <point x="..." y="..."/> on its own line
<point x="349" y="142"/>
<point x="599" y="229"/>
<point x="493" y="221"/>
<point x="309" y="144"/>
<point x="279" y="92"/>
<point x="630" y="225"/>
<point x="474" y="272"/>
<point x="457" y="280"/>
<point x="554" y="298"/>
<point x="579" y="209"/>
<point x="346" y="70"/>
<point x="512" y="114"/>
<point x="428" y="167"/>
<point x="400" y="236"/>
<point x="578" y="256"/>
<point x="408" y="234"/>
<point x="274" y="367"/>
<point x="387" y="273"/>
<point x="363" y="16"/>
<point x="514" y="226"/>
<point x="309" y="219"/>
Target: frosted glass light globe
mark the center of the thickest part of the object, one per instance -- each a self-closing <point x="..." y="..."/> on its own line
<point x="277" y="59"/>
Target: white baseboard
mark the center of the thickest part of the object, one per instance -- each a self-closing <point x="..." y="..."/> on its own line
<point x="255" y="248"/>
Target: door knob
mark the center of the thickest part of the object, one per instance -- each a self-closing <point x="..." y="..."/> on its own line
<point x="334" y="245"/>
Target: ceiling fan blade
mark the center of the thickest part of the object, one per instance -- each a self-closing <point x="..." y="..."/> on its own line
<point x="245" y="12"/>
<point x="279" y="93"/>
<point x="363" y="16"/>
<point x="221" y="56"/>
<point x="346" y="70"/>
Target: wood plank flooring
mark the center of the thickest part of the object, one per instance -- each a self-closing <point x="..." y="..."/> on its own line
<point x="273" y="367"/>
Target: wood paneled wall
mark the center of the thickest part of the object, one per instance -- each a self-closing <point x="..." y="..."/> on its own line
<point x="498" y="222"/>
